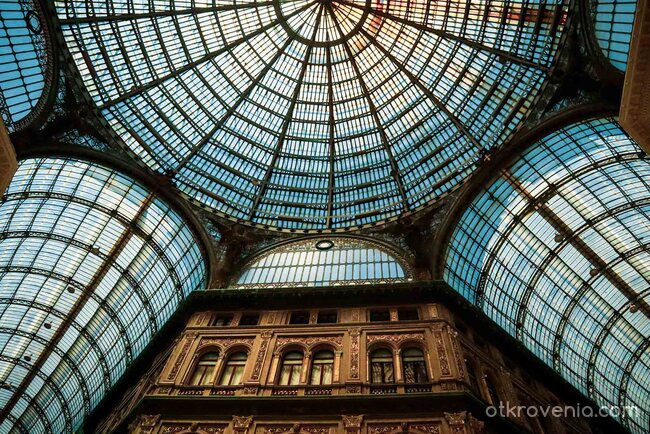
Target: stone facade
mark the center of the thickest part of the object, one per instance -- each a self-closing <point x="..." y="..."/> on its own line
<point x="8" y="162"/>
<point x="461" y="370"/>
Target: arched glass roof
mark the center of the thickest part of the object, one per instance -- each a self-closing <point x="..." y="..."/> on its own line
<point x="557" y="252"/>
<point x="324" y="262"/>
<point x="613" y="23"/>
<point x="313" y="114"/>
<point x="23" y="60"/>
<point x="91" y="266"/>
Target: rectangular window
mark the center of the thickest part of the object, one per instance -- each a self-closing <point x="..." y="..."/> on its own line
<point x="220" y="320"/>
<point x="300" y="317"/>
<point x="380" y="315"/>
<point x="249" y="319"/>
<point x="327" y="317"/>
<point x="408" y="314"/>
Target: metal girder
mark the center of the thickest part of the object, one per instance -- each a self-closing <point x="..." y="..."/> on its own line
<point x="233" y="108"/>
<point x="559" y="335"/>
<point x="532" y="207"/>
<point x="446" y="35"/>
<point x="78" y="306"/>
<point x="32" y="399"/>
<point x="598" y="342"/>
<point x="63" y="355"/>
<point x="522" y="311"/>
<point x="395" y="170"/>
<point x="331" y="142"/>
<point x="124" y="273"/>
<point x="71" y="282"/>
<point x="153" y="83"/>
<point x="627" y="373"/>
<point x="418" y="83"/>
<point x="161" y="14"/>
<point x="81" y="330"/>
<point x="288" y="118"/>
<point x="583" y="248"/>
<point x="126" y="221"/>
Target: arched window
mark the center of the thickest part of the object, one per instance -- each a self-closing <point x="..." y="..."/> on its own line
<point x="322" y="368"/>
<point x="415" y="369"/>
<point x="234" y="369"/>
<point x="291" y="368"/>
<point x="205" y="369"/>
<point x="381" y="366"/>
<point x="324" y="262"/>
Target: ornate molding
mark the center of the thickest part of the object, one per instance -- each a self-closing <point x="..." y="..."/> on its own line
<point x="224" y="343"/>
<point x="352" y="424"/>
<point x="635" y="106"/>
<point x="189" y="339"/>
<point x="405" y="428"/>
<point x="461" y="421"/>
<point x="194" y="427"/>
<point x="309" y="341"/>
<point x="395" y="338"/>
<point x="427" y="428"/>
<point x="439" y="341"/>
<point x="144" y="424"/>
<point x="354" y="353"/>
<point x="240" y="424"/>
<point x="297" y="428"/>
<point x="261" y="355"/>
<point x="457" y="356"/>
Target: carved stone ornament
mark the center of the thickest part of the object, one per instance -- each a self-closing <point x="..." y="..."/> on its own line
<point x="241" y="423"/>
<point x="428" y="428"/>
<point x="476" y="425"/>
<point x="352" y="388"/>
<point x="352" y="421"/>
<point x="456" y="419"/>
<point x="261" y="354"/>
<point x="396" y="338"/>
<point x="354" y="353"/>
<point x="145" y="423"/>
<point x="224" y="342"/>
<point x="175" y="428"/>
<point x="297" y="429"/>
<point x="442" y="353"/>
<point x="384" y="429"/>
<point x="336" y="340"/>
<point x="189" y="339"/>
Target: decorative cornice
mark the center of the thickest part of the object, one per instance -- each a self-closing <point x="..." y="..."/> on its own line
<point x="310" y="341"/>
<point x="395" y="338"/>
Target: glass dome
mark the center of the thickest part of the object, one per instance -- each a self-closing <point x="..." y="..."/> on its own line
<point x="24" y="62"/>
<point x="556" y="251"/>
<point x="313" y="114"/>
<point x="92" y="265"/>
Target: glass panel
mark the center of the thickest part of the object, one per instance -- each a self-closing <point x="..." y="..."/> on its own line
<point x="295" y="115"/>
<point x="24" y="61"/>
<point x="613" y="22"/>
<point x="559" y="244"/>
<point x="326" y="267"/>
<point x="90" y="254"/>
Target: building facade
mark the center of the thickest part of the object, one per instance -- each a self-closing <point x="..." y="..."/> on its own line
<point x="376" y="368"/>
